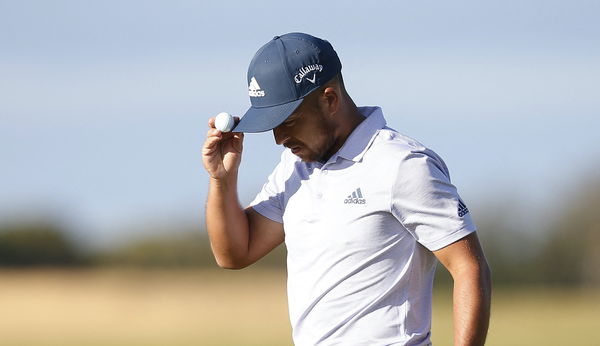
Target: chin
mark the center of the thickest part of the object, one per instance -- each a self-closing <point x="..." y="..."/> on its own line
<point x="306" y="158"/>
<point x="307" y="155"/>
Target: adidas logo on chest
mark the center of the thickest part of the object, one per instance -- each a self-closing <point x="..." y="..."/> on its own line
<point x="356" y="197"/>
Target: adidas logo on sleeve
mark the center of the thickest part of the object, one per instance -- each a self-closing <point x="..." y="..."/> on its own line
<point x="462" y="208"/>
<point x="355" y="198"/>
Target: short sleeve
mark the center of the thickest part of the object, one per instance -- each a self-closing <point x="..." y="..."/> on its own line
<point x="269" y="201"/>
<point x="426" y="203"/>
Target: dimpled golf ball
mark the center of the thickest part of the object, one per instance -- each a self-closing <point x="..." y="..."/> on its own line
<point x="224" y="122"/>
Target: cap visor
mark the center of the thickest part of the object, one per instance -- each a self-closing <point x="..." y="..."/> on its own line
<point x="267" y="118"/>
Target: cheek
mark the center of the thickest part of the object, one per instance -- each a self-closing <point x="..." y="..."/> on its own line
<point x="320" y="139"/>
<point x="312" y="134"/>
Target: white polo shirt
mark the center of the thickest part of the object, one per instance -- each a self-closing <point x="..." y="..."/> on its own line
<point x="359" y="232"/>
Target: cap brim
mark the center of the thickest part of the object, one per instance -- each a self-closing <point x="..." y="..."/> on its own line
<point x="265" y="118"/>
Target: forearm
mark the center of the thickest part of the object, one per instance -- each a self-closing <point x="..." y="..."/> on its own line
<point x="471" y="298"/>
<point x="226" y="223"/>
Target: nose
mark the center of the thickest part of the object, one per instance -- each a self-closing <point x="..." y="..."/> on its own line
<point x="280" y="135"/>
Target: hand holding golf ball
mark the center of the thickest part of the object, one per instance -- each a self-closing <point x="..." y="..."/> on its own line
<point x="221" y="152"/>
<point x="224" y="122"/>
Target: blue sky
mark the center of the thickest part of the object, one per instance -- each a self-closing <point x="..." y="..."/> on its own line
<point x="103" y="105"/>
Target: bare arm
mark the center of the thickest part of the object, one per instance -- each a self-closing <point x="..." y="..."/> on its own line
<point x="238" y="237"/>
<point x="466" y="263"/>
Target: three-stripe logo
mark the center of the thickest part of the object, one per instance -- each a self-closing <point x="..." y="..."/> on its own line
<point x="356" y="197"/>
<point x="462" y="208"/>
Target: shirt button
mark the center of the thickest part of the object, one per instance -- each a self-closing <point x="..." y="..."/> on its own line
<point x="319" y="195"/>
<point x="325" y="172"/>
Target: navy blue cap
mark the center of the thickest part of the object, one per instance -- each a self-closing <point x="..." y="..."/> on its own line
<point x="281" y="74"/>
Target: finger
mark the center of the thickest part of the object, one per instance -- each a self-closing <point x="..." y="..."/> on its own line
<point x="211" y="143"/>
<point x="238" y="142"/>
<point x="211" y="122"/>
<point x="238" y="135"/>
<point x="229" y="135"/>
<point x="214" y="132"/>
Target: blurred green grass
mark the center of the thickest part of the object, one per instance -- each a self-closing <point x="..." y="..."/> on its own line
<point x="216" y="307"/>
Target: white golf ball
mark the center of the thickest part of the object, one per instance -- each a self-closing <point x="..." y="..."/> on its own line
<point x="224" y="122"/>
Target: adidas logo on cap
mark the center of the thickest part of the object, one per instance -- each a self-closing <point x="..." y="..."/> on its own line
<point x="254" y="89"/>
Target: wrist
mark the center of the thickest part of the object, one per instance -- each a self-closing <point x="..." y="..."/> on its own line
<point x="225" y="182"/>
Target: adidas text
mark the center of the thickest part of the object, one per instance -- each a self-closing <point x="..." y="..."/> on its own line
<point x="256" y="93"/>
<point x="355" y="201"/>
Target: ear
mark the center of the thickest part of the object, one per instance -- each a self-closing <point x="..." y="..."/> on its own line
<point x="330" y="100"/>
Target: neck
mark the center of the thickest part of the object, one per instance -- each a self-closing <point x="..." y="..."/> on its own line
<point x="350" y="119"/>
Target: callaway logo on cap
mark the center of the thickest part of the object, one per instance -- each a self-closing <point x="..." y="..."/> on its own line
<point x="281" y="74"/>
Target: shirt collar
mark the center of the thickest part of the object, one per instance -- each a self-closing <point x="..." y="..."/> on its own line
<point x="360" y="139"/>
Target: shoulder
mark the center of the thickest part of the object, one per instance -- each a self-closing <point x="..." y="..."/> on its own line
<point x="390" y="143"/>
<point x="397" y="141"/>
<point x="404" y="152"/>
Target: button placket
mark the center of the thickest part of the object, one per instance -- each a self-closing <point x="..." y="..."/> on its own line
<point x="312" y="206"/>
<point x="322" y="185"/>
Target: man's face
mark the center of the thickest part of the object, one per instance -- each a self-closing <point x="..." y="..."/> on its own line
<point x="307" y="132"/>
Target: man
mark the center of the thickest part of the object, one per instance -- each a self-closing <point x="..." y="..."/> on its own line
<point x="364" y="211"/>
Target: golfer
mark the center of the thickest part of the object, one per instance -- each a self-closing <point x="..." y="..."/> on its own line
<point x="365" y="212"/>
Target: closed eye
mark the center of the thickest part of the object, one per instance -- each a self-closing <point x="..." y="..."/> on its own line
<point x="289" y="123"/>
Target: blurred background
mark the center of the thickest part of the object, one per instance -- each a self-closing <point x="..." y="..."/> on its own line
<point x="103" y="110"/>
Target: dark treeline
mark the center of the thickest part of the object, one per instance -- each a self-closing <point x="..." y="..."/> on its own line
<point x="35" y="243"/>
<point x="567" y="252"/>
